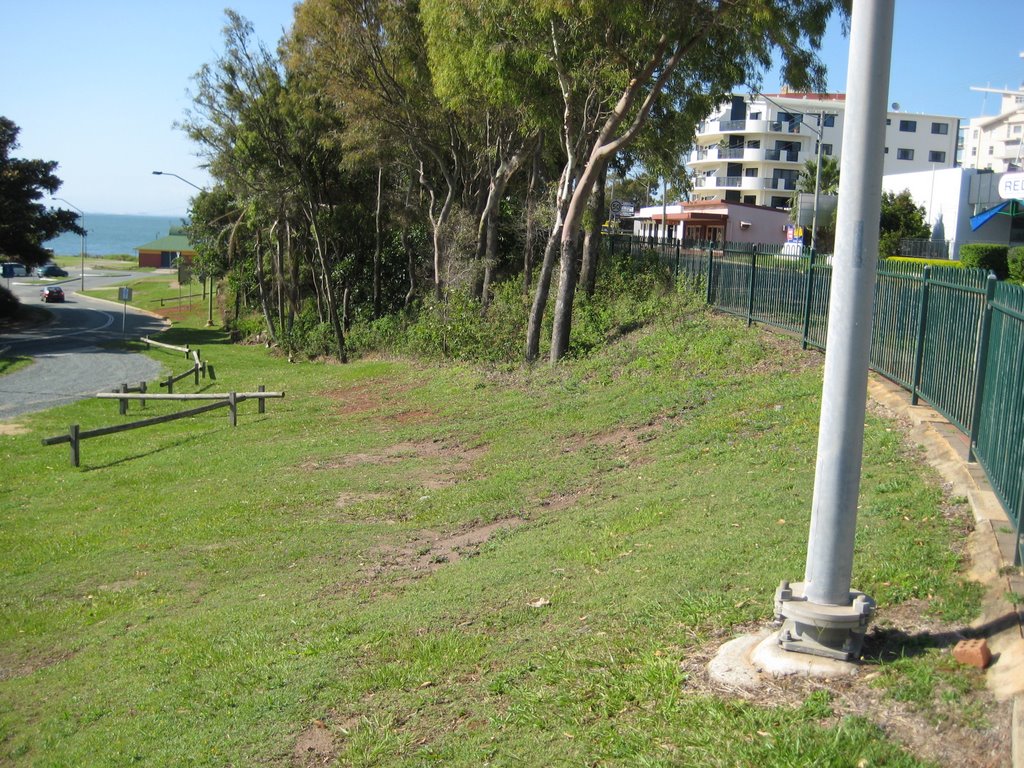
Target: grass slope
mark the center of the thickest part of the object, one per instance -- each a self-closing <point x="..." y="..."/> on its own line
<point x="413" y="564"/>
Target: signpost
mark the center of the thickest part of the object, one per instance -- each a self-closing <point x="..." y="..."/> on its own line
<point x="124" y="295"/>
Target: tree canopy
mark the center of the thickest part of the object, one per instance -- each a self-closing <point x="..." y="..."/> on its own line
<point x="391" y="152"/>
<point x="25" y="222"/>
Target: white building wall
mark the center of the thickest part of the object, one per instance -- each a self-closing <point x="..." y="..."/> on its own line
<point x="950" y="197"/>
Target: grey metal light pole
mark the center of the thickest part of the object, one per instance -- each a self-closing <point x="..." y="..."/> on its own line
<point x="167" y="173"/>
<point x="81" y="213"/>
<point x="209" y="316"/>
<point x="822" y="615"/>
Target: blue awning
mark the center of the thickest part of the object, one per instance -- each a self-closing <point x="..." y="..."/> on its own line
<point x="1015" y="207"/>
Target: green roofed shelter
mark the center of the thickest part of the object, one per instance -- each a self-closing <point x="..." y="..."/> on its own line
<point x="163" y="253"/>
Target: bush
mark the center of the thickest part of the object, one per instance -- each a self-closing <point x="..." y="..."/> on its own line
<point x="1015" y="264"/>
<point x="987" y="256"/>
<point x="9" y="304"/>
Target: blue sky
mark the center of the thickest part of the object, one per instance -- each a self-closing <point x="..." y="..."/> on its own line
<point x="97" y="86"/>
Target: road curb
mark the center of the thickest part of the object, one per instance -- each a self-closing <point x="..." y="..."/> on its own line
<point x="991" y="551"/>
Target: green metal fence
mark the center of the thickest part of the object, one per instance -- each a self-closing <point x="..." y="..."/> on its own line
<point x="953" y="337"/>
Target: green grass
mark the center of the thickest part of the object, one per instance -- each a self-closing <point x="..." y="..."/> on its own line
<point x="197" y="594"/>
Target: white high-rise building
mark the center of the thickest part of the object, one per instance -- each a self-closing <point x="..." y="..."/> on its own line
<point x="995" y="142"/>
<point x="753" y="147"/>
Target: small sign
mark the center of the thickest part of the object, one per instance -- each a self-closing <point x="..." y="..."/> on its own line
<point x="1011" y="186"/>
<point x="124" y="294"/>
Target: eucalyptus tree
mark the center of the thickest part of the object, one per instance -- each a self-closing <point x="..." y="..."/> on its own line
<point x="662" y="60"/>
<point x="370" y="59"/>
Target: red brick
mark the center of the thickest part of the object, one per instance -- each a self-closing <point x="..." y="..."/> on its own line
<point x="974" y="653"/>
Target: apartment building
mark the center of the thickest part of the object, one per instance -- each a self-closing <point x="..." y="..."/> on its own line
<point x="995" y="143"/>
<point x="753" y="147"/>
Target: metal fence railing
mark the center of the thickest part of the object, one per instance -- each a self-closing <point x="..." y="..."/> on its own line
<point x="953" y="337"/>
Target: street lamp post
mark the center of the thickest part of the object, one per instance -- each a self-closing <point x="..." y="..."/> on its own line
<point x="167" y="173"/>
<point x="81" y="213"/>
<point x="820" y="134"/>
<point x="209" y="315"/>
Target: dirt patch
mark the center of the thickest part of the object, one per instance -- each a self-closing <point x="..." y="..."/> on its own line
<point x="627" y="442"/>
<point x="13" y="429"/>
<point x="12" y="668"/>
<point x="448" y="462"/>
<point x="784" y="353"/>
<point x="370" y="396"/>
<point x="314" y="746"/>
<point x="426" y="551"/>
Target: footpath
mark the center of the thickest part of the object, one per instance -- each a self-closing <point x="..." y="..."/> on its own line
<point x="990" y="546"/>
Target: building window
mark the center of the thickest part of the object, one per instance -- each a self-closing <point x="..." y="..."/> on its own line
<point x="826" y="149"/>
<point x="974" y="151"/>
<point x="908" y="126"/>
<point x="755" y="115"/>
<point x="754" y="144"/>
<point x="904" y="154"/>
<point x="830" y="121"/>
<point x="990" y="149"/>
<point x="936" y="157"/>
<point x="750" y="172"/>
<point x="942" y="129"/>
<point x="886" y="151"/>
<point x="888" y="121"/>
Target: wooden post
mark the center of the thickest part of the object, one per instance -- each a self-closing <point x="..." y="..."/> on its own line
<point x="263" y="400"/>
<point x="122" y="404"/>
<point x="73" y="434"/>
<point x="195" y="370"/>
<point x="142" y="389"/>
<point x="170" y="385"/>
<point x="233" y="409"/>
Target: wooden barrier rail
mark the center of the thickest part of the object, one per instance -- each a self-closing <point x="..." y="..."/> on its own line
<point x="228" y="400"/>
<point x="151" y="343"/>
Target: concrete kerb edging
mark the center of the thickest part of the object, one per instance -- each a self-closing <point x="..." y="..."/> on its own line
<point x="945" y="449"/>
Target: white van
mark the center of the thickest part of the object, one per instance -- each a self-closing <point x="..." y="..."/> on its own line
<point x="14" y="269"/>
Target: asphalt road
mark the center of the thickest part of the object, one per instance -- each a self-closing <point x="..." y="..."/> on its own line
<point x="70" y="362"/>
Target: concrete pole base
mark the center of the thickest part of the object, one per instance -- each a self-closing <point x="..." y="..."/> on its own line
<point x="831" y="631"/>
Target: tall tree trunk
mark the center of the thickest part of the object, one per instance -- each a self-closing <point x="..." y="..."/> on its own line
<point x="592" y="239"/>
<point x="268" y="315"/>
<point x="567" y="274"/>
<point x="531" y="220"/>
<point x="377" y="243"/>
<point x="540" y="296"/>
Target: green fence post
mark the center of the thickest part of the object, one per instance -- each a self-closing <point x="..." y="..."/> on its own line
<point x="676" y="271"/>
<point x="980" y="363"/>
<point x="1020" y="518"/>
<point x="808" y="297"/>
<point x="750" y="285"/>
<point x="711" y="269"/>
<point x="922" y="321"/>
<point x="75" y="448"/>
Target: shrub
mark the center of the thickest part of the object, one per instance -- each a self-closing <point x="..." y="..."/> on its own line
<point x="1015" y="264"/>
<point x="988" y="256"/>
<point x="9" y="304"/>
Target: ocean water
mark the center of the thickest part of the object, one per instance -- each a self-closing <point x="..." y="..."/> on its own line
<point x="108" y="234"/>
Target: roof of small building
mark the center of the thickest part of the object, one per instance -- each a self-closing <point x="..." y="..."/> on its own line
<point x="177" y="243"/>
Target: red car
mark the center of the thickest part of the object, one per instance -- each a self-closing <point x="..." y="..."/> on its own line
<point x="52" y="293"/>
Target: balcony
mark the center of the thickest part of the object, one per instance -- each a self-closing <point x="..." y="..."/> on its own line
<point x="716" y="155"/>
<point x="744" y="183"/>
<point x="710" y="128"/>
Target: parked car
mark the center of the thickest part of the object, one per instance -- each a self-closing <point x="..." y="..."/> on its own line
<point x="50" y="270"/>
<point x="14" y="269"/>
<point x="52" y="293"/>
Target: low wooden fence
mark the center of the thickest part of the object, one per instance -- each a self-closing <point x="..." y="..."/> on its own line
<point x="229" y="400"/>
<point x="199" y="367"/>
